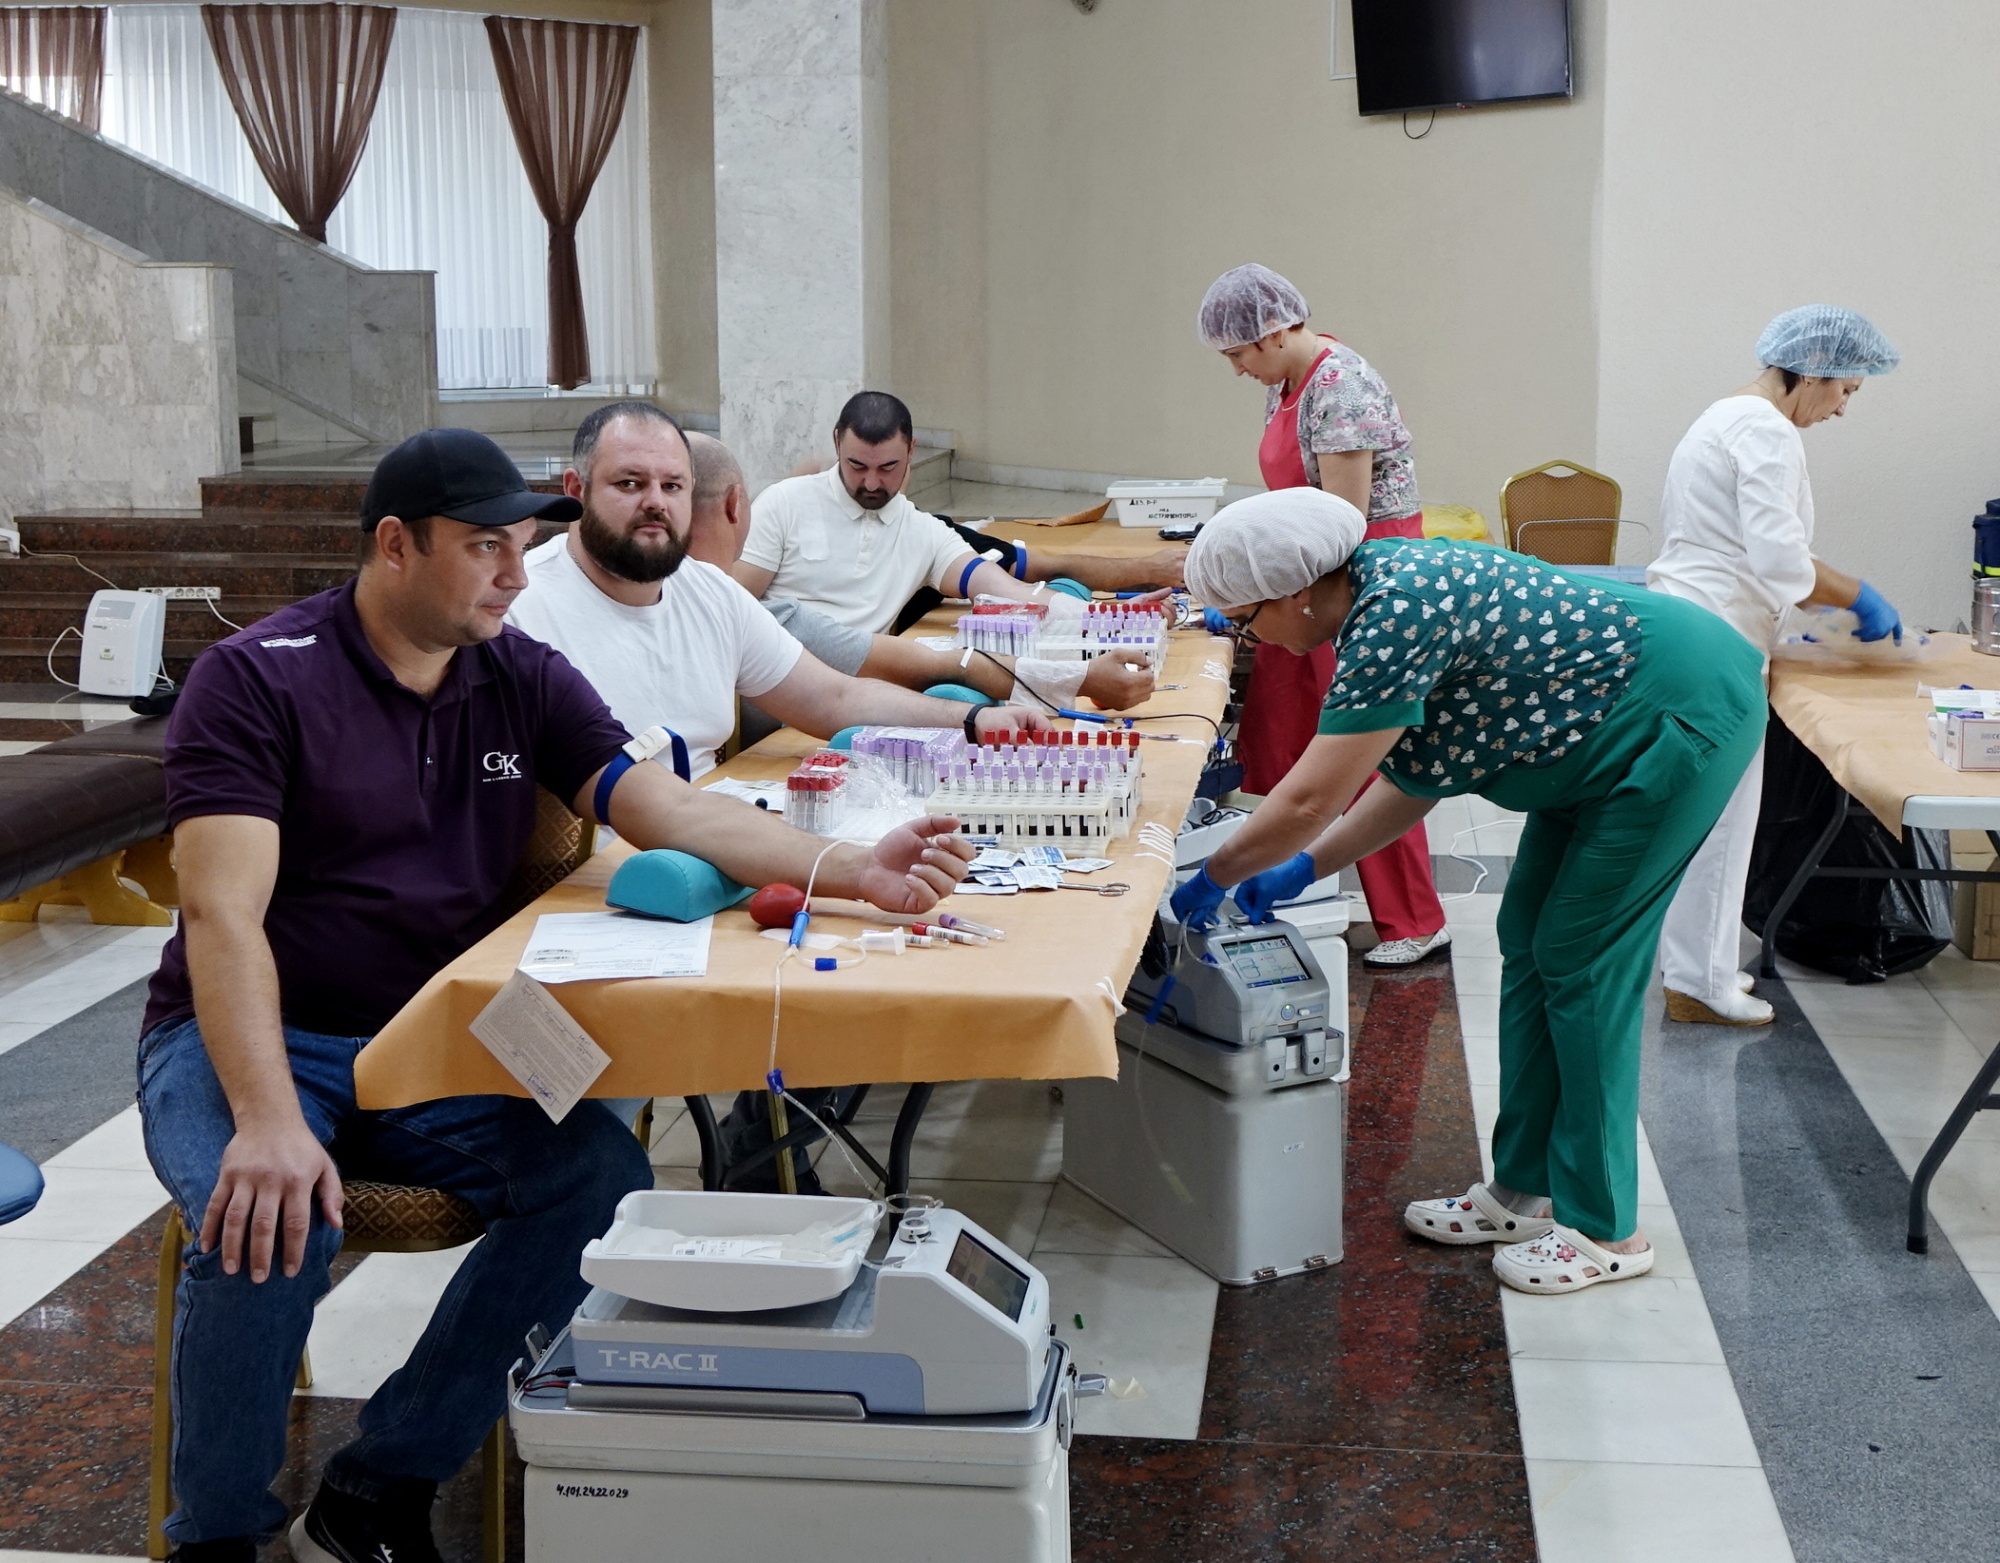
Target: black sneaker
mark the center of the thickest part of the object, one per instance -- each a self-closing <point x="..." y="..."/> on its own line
<point x="230" y="1549"/>
<point x="339" y="1528"/>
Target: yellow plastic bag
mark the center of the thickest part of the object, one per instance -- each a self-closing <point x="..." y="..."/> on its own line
<point x="1459" y="522"/>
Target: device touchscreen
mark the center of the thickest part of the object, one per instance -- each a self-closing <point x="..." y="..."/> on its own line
<point x="1267" y="963"/>
<point x="987" y="1276"/>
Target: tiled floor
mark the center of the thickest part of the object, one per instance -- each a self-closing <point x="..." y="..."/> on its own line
<point x="1367" y="1412"/>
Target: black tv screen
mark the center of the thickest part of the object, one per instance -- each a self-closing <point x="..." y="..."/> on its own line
<point x="1436" y="54"/>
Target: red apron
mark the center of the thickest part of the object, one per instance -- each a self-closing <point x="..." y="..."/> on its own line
<point x="1281" y="714"/>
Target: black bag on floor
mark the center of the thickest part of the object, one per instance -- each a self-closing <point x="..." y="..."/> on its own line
<point x="1866" y="930"/>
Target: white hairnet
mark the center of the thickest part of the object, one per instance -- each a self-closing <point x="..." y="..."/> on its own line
<point x="1826" y="342"/>
<point x="1272" y="545"/>
<point x="1246" y="305"/>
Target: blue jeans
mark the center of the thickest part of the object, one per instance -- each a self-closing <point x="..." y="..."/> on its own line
<point x="544" y="1189"/>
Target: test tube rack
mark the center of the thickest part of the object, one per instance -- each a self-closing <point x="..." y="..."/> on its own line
<point x="1021" y="789"/>
<point x="1027" y="630"/>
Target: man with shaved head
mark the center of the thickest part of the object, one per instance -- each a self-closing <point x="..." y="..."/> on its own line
<point x="721" y="526"/>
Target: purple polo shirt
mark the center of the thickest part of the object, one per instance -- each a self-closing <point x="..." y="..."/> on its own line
<point x="400" y="819"/>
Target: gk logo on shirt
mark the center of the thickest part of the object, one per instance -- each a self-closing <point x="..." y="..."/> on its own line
<point x="501" y="767"/>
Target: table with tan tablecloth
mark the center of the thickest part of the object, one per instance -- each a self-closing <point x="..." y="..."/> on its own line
<point x="1037" y="1006"/>
<point x="1868" y="727"/>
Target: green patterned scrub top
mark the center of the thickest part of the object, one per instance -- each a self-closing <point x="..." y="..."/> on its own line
<point x="1488" y="659"/>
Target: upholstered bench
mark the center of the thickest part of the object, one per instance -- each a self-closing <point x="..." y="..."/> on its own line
<point x="79" y="816"/>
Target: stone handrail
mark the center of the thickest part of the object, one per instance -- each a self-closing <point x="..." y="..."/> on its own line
<point x="355" y="346"/>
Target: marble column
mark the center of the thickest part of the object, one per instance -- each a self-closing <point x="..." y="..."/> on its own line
<point x="801" y="221"/>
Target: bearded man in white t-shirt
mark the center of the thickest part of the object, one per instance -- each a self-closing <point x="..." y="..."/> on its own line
<point x="671" y="641"/>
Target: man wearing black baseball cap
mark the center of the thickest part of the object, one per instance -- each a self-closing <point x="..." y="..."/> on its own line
<point x="351" y="783"/>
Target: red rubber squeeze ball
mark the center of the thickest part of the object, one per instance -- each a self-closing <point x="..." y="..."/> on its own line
<point x="776" y="905"/>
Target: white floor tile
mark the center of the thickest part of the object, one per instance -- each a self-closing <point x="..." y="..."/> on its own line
<point x="1663" y="1413"/>
<point x="1670" y="1261"/>
<point x="365" y="1327"/>
<point x="116" y="1145"/>
<point x="32" y="1268"/>
<point x="1596" y="1511"/>
<point x="1482" y="1059"/>
<point x="1475" y="974"/>
<point x="1652" y="1319"/>
<point x="1076" y="1224"/>
<point x="1965" y="1196"/>
<point x="1485" y="1106"/>
<point x="1479" y="1014"/>
<point x="1470" y="910"/>
<point x="88" y="1205"/>
<point x="1143" y="1318"/>
<point x="1909" y="1085"/>
<point x="1478" y="939"/>
<point x="19" y="746"/>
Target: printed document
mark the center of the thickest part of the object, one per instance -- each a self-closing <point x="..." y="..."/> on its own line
<point x="599" y="946"/>
<point x="540" y="1045"/>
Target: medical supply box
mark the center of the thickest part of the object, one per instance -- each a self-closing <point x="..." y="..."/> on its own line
<point x="1965" y="728"/>
<point x="1169" y="502"/>
<point x="919" y="1410"/>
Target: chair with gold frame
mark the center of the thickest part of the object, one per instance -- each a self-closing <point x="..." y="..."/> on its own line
<point x="1563" y="513"/>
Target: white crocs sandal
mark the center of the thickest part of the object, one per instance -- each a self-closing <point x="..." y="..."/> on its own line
<point x="1564" y="1260"/>
<point x="1474" y="1217"/>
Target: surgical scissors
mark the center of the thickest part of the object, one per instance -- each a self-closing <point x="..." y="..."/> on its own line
<point x="1116" y="887"/>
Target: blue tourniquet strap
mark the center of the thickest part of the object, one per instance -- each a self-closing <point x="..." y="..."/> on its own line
<point x="621" y="763"/>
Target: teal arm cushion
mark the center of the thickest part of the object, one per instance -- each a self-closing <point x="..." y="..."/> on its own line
<point x="959" y="692"/>
<point x="672" y="885"/>
<point x="843" y="740"/>
<point x="1062" y="583"/>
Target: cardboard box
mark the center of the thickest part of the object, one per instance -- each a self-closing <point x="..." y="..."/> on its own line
<point x="1975" y="913"/>
<point x="1965" y="728"/>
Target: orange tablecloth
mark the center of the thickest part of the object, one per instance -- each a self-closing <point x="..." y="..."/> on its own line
<point x="1867" y="725"/>
<point x="1037" y="1006"/>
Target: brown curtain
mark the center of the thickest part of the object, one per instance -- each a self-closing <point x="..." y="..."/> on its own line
<point x="304" y="79"/>
<point x="55" y="56"/>
<point x="564" y="84"/>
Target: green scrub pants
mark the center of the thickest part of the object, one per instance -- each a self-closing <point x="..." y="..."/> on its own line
<point x="1611" y="827"/>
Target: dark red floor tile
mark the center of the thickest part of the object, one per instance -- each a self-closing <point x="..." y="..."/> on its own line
<point x="1155" y="1501"/>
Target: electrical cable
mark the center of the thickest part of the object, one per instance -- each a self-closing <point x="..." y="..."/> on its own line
<point x="49" y="656"/>
<point x="35" y="553"/>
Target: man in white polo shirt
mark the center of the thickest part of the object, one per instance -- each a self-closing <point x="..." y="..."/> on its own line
<point x="849" y="543"/>
<point x="668" y="640"/>
<point x="722" y="522"/>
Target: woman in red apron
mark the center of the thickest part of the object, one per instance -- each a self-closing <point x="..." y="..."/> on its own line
<point x="1329" y="423"/>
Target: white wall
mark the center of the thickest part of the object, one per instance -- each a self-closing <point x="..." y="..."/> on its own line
<point x="1066" y="186"/>
<point x="117" y="375"/>
<point x="1811" y="151"/>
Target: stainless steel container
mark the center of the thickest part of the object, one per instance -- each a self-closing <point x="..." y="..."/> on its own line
<point x="1986" y="615"/>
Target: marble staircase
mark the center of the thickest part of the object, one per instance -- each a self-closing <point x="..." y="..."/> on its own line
<point x="265" y="539"/>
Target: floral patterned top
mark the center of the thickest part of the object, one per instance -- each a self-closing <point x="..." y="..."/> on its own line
<point x="1487" y="658"/>
<point x="1345" y="406"/>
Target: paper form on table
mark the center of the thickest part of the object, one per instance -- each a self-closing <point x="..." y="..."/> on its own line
<point x="602" y="946"/>
<point x="539" y="1045"/>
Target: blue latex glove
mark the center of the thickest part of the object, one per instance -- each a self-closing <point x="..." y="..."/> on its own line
<point x="1195" y="902"/>
<point x="1879" y="619"/>
<point x="1215" y="621"/>
<point x="1258" y="894"/>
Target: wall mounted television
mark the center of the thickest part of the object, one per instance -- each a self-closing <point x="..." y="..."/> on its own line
<point x="1440" y="54"/>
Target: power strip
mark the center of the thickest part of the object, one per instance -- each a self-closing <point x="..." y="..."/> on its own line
<point x="186" y="593"/>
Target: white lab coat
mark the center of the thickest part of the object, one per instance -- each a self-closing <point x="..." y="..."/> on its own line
<point x="1736" y="536"/>
<point x="1736" y="520"/>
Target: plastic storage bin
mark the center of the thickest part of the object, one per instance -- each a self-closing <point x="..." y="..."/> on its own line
<point x="1168" y="503"/>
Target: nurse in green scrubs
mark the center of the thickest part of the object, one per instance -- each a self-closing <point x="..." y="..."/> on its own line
<point x="1618" y="720"/>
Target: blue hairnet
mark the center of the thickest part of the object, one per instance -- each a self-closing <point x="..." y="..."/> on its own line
<point x="1246" y="305"/>
<point x="1826" y="342"/>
